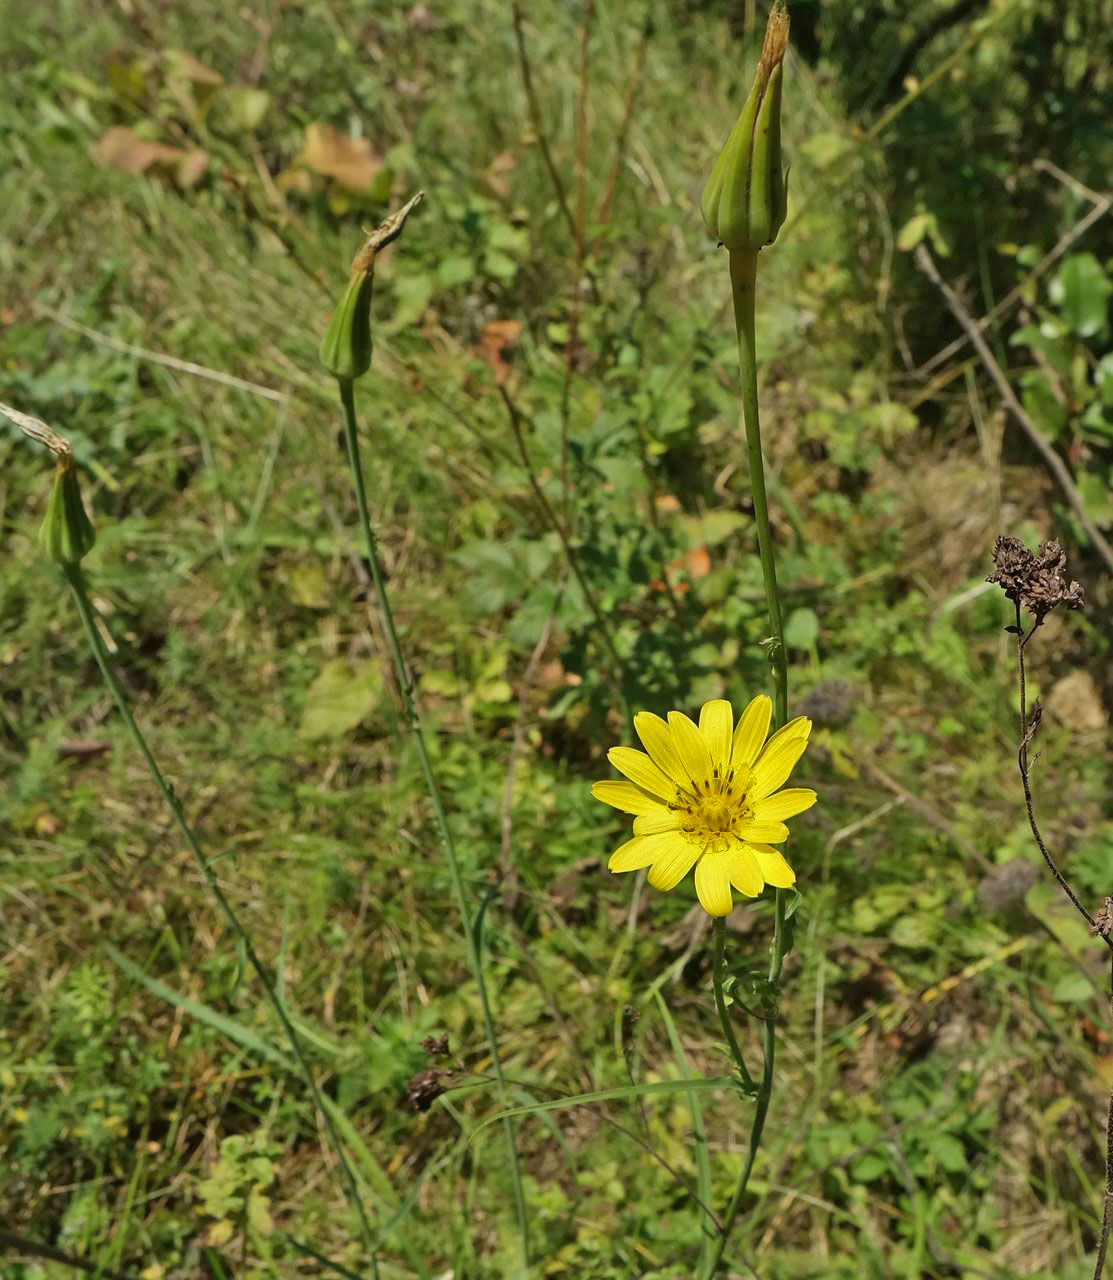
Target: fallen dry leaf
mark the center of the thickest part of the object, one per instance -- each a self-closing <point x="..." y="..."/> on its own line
<point x="352" y="162"/>
<point x="122" y="148"/>
<point x="499" y="336"/>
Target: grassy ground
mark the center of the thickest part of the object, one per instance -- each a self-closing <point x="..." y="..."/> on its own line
<point x="146" y="1123"/>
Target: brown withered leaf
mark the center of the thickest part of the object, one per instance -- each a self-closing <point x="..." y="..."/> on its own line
<point x="122" y="148"/>
<point x="352" y="162"/>
<point x="499" y="337"/>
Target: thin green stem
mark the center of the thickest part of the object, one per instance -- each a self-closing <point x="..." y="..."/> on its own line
<point x="743" y="277"/>
<point x="406" y="689"/>
<point x="743" y="281"/>
<point x="76" y="579"/>
<point x="765" y="1088"/>
<point x="717" y="967"/>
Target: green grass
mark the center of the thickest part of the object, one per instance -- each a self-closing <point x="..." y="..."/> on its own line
<point x="149" y="1117"/>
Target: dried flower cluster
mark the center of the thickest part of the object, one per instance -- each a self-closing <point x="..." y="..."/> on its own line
<point x="1038" y="582"/>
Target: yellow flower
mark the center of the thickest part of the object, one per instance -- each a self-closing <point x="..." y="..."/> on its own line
<point x="704" y="797"/>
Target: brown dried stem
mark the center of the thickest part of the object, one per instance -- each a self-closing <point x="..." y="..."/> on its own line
<point x="1098" y="927"/>
<point x="1055" y="464"/>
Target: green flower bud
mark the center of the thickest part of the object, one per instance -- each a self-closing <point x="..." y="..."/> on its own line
<point x="66" y="534"/>
<point x="745" y="199"/>
<point x="346" y="347"/>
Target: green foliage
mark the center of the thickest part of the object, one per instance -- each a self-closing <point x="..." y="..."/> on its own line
<point x="151" y="1123"/>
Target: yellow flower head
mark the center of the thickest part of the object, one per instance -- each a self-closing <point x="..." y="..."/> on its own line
<point x="703" y="797"/>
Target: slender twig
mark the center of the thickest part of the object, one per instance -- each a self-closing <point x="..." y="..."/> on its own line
<point x="1026" y="734"/>
<point x="559" y="528"/>
<point x="1102" y="205"/>
<point x="76" y="579"/>
<point x="406" y="690"/>
<point x="572" y="345"/>
<point x="535" y="118"/>
<point x="1043" y="446"/>
<point x="632" y="86"/>
<point x="1102" y="930"/>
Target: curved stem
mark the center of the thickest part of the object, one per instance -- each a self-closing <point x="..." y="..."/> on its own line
<point x="406" y="689"/>
<point x="743" y="276"/>
<point x="717" y="967"/>
<point x="85" y="608"/>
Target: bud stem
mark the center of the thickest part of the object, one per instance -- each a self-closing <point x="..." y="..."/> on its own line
<point x="471" y="930"/>
<point x="76" y="579"/>
<point x="743" y="278"/>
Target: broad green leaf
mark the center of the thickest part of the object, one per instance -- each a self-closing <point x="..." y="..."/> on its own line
<point x="342" y="694"/>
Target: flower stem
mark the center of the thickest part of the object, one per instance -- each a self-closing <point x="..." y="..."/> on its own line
<point x="718" y="965"/>
<point x="765" y="1088"/>
<point x="406" y="689"/>
<point x="743" y="280"/>
<point x="743" y="277"/>
<point x="76" y="579"/>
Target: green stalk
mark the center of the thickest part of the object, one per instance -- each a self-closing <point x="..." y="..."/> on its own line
<point x="405" y="687"/>
<point x="718" y="965"/>
<point x="743" y="279"/>
<point x="76" y="579"/>
<point x="765" y="1088"/>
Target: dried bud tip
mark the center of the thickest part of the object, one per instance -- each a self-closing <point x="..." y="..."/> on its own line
<point x="436" y="1046"/>
<point x="388" y="230"/>
<point x="776" y="39"/>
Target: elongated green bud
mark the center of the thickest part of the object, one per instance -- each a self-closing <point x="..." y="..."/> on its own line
<point x="66" y="535"/>
<point x="346" y="347"/>
<point x="345" y="350"/>
<point x="745" y="199"/>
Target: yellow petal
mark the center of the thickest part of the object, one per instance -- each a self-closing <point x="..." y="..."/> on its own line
<point x="690" y="746"/>
<point x="713" y="883"/>
<point x="776" y="763"/>
<point x="743" y="871"/>
<point x="750" y="733"/>
<point x="624" y="796"/>
<point x="648" y="824"/>
<point x="716" y="724"/>
<point x="774" y="869"/>
<point x="638" y="767"/>
<point x="785" y="804"/>
<point x="640" y="852"/>
<point x="795" y="727"/>
<point x="657" y="740"/>
<point x="754" y="830"/>
<point x="673" y="862"/>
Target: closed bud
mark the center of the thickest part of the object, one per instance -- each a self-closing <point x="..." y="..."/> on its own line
<point x="745" y="199"/>
<point x="346" y="347"/>
<point x="345" y="350"/>
<point x="67" y="535"/>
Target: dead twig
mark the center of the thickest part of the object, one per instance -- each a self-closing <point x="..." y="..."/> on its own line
<point x="1055" y="464"/>
<point x="1101" y="207"/>
<point x="1039" y="583"/>
<point x="535" y="119"/>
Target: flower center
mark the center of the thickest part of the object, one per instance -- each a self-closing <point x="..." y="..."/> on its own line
<point x="711" y="813"/>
